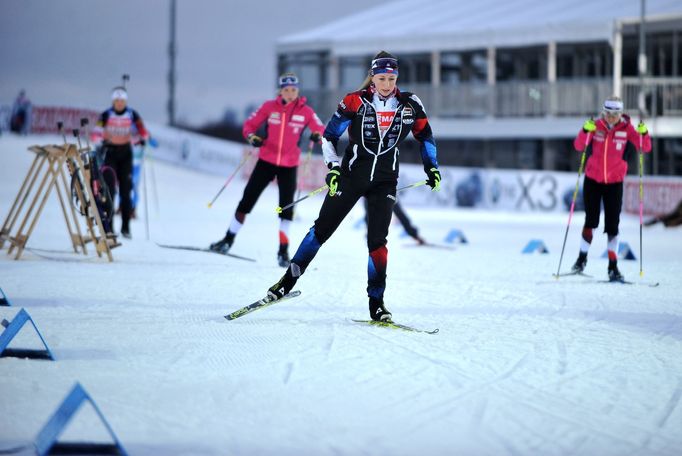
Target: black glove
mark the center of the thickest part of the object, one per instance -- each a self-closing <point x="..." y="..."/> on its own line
<point x="332" y="179"/>
<point x="315" y="137"/>
<point x="254" y="140"/>
<point x="433" y="180"/>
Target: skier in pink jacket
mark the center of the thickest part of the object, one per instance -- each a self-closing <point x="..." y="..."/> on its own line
<point x="285" y="118"/>
<point x="609" y="141"/>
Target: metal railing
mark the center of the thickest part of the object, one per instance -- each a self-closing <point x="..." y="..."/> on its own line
<point x="662" y="96"/>
<point x="574" y="97"/>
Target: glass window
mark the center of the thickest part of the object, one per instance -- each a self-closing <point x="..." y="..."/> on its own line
<point x="310" y="67"/>
<point x="353" y="71"/>
<point x="521" y="63"/>
<point x="584" y="60"/>
<point x="415" y="68"/>
<point x="467" y="66"/>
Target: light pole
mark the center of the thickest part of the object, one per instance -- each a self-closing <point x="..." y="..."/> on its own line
<point x="641" y="60"/>
<point x="171" y="71"/>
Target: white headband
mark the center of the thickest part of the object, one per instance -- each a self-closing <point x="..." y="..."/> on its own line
<point x="119" y="94"/>
<point x="613" y="106"/>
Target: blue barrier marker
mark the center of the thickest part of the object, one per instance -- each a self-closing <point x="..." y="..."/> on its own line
<point x="624" y="252"/>
<point x="456" y="235"/>
<point x="4" y="300"/>
<point x="11" y="330"/>
<point x="535" y="245"/>
<point x="46" y="441"/>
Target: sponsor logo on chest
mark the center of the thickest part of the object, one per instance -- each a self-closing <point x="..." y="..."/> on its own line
<point x="385" y="119"/>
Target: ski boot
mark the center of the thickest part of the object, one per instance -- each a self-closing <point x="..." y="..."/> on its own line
<point x="283" y="255"/>
<point x="580" y="263"/>
<point x="126" y="233"/>
<point x="377" y="310"/>
<point x="286" y="283"/>
<point x="223" y="245"/>
<point x="614" y="273"/>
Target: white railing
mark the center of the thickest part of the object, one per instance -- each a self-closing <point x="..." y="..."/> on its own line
<point x="662" y="96"/>
<point x="574" y="97"/>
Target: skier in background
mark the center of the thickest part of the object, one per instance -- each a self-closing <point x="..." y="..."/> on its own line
<point x="378" y="118"/>
<point x="611" y="140"/>
<point x="399" y="212"/>
<point x="285" y="118"/>
<point x="671" y="219"/>
<point x="117" y="128"/>
<point x="20" y="119"/>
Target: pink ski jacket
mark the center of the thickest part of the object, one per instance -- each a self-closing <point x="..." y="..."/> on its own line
<point x="607" y="162"/>
<point x="284" y="127"/>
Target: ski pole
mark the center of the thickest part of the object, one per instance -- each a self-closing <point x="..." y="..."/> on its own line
<point x="229" y="179"/>
<point x="144" y="189"/>
<point x="641" y="203"/>
<point x="147" y="155"/>
<point x="416" y="184"/>
<point x="575" y="195"/>
<point x="279" y="210"/>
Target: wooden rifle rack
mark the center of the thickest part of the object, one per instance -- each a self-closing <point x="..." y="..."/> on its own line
<point x="48" y="169"/>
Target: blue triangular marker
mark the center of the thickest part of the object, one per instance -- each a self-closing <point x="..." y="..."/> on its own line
<point x="535" y="245"/>
<point x="4" y="300"/>
<point x="46" y="441"/>
<point x="624" y="252"/>
<point x="456" y="235"/>
<point x="11" y="330"/>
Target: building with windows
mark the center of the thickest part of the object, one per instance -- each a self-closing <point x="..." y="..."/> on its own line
<point x="508" y="84"/>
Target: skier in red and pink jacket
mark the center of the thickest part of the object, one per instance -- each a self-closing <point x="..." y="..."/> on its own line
<point x="285" y="119"/>
<point x="609" y="141"/>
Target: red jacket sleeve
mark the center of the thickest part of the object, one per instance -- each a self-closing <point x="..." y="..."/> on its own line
<point x="255" y="120"/>
<point x="314" y="123"/>
<point x="635" y="137"/>
<point x="582" y="141"/>
<point x="139" y="124"/>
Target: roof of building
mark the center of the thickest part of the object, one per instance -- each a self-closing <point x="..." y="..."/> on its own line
<point x="405" y="26"/>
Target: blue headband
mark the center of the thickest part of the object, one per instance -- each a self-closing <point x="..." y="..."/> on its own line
<point x="613" y="106"/>
<point x="288" y="80"/>
<point x="385" y="65"/>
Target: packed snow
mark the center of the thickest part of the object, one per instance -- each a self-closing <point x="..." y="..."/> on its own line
<point x="523" y="364"/>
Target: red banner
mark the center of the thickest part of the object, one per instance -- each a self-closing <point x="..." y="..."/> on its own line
<point x="660" y="196"/>
<point x="44" y="118"/>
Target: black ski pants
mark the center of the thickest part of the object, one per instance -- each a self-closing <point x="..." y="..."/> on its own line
<point x="261" y="176"/>
<point x="120" y="159"/>
<point x="594" y="194"/>
<point x="399" y="212"/>
<point x="380" y="197"/>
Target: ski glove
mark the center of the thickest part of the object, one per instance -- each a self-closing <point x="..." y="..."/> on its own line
<point x="589" y="126"/>
<point x="316" y="137"/>
<point x="433" y="180"/>
<point x="642" y="129"/>
<point x="332" y="179"/>
<point x="254" y="140"/>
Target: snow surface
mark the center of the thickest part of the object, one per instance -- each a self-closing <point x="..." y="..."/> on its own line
<point x="523" y="364"/>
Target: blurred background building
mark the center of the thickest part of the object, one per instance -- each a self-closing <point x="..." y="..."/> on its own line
<point x="508" y="84"/>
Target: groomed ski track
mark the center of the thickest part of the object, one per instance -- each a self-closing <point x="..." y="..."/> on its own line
<point x="517" y="368"/>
